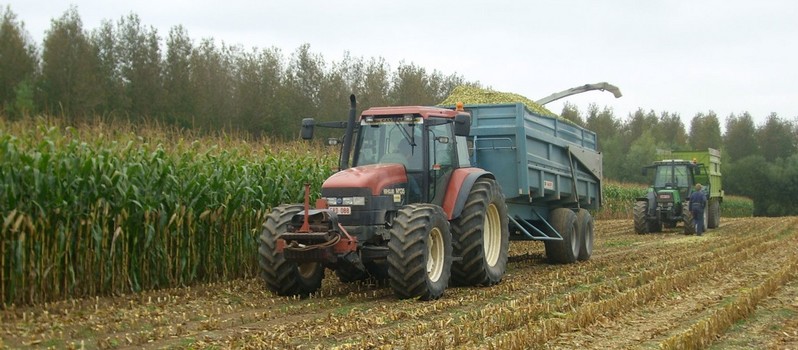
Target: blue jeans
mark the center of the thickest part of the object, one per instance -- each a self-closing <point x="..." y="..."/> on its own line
<point x="698" y="220"/>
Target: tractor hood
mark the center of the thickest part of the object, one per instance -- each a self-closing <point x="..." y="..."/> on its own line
<point x="375" y="177"/>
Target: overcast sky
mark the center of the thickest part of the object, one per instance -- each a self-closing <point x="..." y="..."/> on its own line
<point x="678" y="56"/>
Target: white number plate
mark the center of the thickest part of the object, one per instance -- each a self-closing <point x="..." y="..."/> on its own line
<point x="342" y="210"/>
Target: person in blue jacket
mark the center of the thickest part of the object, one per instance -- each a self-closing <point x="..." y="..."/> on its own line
<point x="698" y="201"/>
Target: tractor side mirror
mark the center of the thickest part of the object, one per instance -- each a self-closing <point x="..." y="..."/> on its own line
<point x="462" y="125"/>
<point x="307" y="128"/>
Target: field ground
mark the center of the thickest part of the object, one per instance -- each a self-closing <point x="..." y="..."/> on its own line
<point x="733" y="288"/>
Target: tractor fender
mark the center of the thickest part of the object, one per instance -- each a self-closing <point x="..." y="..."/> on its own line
<point x="459" y="187"/>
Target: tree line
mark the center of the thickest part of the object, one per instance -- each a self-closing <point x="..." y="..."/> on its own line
<point x="126" y="70"/>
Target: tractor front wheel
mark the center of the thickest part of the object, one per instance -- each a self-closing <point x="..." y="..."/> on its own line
<point x="420" y="252"/>
<point x="281" y="276"/>
<point x="641" y="225"/>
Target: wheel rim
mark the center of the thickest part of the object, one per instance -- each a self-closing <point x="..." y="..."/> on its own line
<point x="306" y="270"/>
<point x="435" y="255"/>
<point x="492" y="235"/>
<point x="574" y="240"/>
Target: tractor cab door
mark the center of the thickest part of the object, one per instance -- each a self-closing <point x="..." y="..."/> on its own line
<point x="442" y="159"/>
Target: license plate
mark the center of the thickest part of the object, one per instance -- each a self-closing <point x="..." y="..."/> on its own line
<point x="341" y="210"/>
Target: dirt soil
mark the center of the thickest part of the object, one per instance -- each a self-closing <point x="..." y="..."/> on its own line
<point x="736" y="287"/>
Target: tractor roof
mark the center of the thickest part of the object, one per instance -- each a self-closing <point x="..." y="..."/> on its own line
<point x="673" y="161"/>
<point x="425" y="112"/>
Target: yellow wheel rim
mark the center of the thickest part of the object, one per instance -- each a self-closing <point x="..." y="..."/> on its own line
<point x="436" y="255"/>
<point x="492" y="235"/>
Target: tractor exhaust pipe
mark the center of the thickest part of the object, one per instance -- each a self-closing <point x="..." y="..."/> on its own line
<point x="350" y="129"/>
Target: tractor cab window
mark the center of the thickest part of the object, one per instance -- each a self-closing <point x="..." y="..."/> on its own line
<point x="671" y="176"/>
<point x="390" y="141"/>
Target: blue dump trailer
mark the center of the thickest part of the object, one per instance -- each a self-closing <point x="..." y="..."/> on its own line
<point x="429" y="195"/>
<point x="550" y="173"/>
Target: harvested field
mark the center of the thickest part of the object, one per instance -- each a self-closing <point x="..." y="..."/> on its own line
<point x="734" y="287"/>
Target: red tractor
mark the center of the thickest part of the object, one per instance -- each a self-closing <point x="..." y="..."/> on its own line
<point x="411" y="209"/>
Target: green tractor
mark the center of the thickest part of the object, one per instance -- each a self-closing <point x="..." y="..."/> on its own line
<point x="666" y="203"/>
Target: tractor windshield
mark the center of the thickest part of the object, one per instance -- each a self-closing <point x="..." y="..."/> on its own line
<point x="390" y="140"/>
<point x="671" y="176"/>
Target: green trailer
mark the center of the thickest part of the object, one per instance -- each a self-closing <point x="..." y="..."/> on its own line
<point x="665" y="203"/>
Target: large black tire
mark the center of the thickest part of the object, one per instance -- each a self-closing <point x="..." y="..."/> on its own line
<point x="713" y="214"/>
<point x="481" y="236"/>
<point x="566" y="251"/>
<point x="639" y="214"/>
<point x="420" y="252"/>
<point x="585" y="229"/>
<point x="285" y="277"/>
<point x="687" y="215"/>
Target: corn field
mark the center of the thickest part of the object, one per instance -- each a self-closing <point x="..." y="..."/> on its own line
<point x="100" y="211"/>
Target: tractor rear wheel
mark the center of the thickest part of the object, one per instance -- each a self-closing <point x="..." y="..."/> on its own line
<point x="420" y="252"/>
<point x="641" y="225"/>
<point x="584" y="226"/>
<point x="481" y="236"/>
<point x="566" y="251"/>
<point x="281" y="276"/>
<point x="713" y="214"/>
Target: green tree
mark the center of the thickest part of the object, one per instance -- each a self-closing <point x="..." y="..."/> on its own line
<point x="571" y="112"/>
<point x="140" y="64"/>
<point x="69" y="68"/>
<point x="669" y="131"/>
<point x="705" y="131"/>
<point x="109" y="70"/>
<point x="178" y="97"/>
<point x="776" y="138"/>
<point x="604" y="124"/>
<point x="411" y="86"/>
<point x="212" y="86"/>
<point x="17" y="61"/>
<point x="642" y="152"/>
<point x="376" y="84"/>
<point x="739" y="141"/>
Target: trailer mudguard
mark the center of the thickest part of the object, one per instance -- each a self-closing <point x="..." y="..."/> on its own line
<point x="458" y="189"/>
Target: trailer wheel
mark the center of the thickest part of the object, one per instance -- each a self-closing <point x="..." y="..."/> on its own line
<point x="641" y="225"/>
<point x="420" y="252"/>
<point x="584" y="225"/>
<point x="566" y="251"/>
<point x="481" y="236"/>
<point x="281" y="276"/>
<point x="713" y="217"/>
